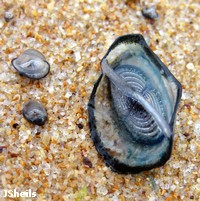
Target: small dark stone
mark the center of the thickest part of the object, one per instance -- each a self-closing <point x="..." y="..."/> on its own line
<point x="186" y="134"/>
<point x="13" y="155"/>
<point x="157" y="41"/>
<point x="1" y="148"/>
<point x="15" y="125"/>
<point x="87" y="162"/>
<point x="143" y="192"/>
<point x="188" y="106"/>
<point x="150" y="13"/>
<point x="80" y="126"/>
<point x="38" y="132"/>
<point x="87" y="26"/>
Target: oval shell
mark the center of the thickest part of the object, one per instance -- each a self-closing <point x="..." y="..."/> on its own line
<point x="133" y="106"/>
<point x="34" y="112"/>
<point x="32" y="64"/>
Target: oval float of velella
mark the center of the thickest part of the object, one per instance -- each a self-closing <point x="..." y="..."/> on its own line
<point x="132" y="107"/>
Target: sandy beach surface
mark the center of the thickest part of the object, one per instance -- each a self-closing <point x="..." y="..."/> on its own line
<point x="58" y="161"/>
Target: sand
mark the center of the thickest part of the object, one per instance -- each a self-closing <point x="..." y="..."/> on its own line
<point x="58" y="161"/>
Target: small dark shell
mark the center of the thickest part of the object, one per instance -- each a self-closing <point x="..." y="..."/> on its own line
<point x="8" y="15"/>
<point x="133" y="106"/>
<point x="34" y="112"/>
<point x="32" y="64"/>
<point x="150" y="13"/>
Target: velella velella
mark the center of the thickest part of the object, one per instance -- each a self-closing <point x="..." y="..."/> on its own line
<point x="132" y="107"/>
<point x="32" y="64"/>
<point x="34" y="112"/>
<point x="150" y="13"/>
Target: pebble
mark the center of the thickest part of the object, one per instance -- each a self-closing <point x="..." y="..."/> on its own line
<point x="150" y="13"/>
<point x="190" y="66"/>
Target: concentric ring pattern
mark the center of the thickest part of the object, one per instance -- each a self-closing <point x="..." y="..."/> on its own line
<point x="137" y="120"/>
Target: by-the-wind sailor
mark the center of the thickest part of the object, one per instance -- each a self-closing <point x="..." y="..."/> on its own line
<point x="133" y="106"/>
<point x="32" y="64"/>
<point x="34" y="112"/>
